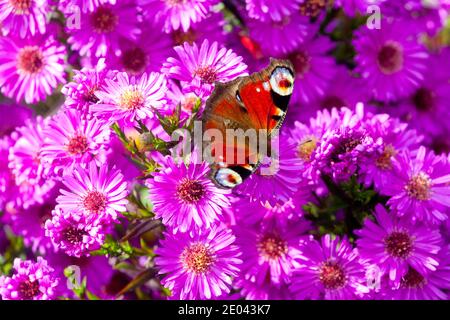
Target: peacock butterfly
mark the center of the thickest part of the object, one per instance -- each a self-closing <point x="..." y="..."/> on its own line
<point x="247" y="106"/>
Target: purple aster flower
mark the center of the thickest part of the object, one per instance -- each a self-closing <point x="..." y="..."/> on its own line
<point x="75" y="233"/>
<point x="184" y="196"/>
<point x="277" y="38"/>
<point x="414" y="286"/>
<point x="271" y="9"/>
<point x="306" y="138"/>
<point x="129" y="98"/>
<point x="198" y="265"/>
<point x="101" y="30"/>
<point x="426" y="108"/>
<point x="330" y="269"/>
<point x="341" y="151"/>
<point x="390" y="60"/>
<point x="32" y="67"/>
<point x="146" y="54"/>
<point x="99" y="192"/>
<point x="25" y="162"/>
<point x="80" y="92"/>
<point x="396" y="138"/>
<point x="394" y="245"/>
<point x="23" y="17"/>
<point x="270" y="250"/>
<point x="176" y="14"/>
<point x="30" y="281"/>
<point x="72" y="139"/>
<point x="314" y="67"/>
<point x="278" y="177"/>
<point x="419" y="186"/>
<point x="14" y="116"/>
<point x="198" y="68"/>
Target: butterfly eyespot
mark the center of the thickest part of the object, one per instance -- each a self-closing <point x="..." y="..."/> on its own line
<point x="282" y="81"/>
<point x="227" y="178"/>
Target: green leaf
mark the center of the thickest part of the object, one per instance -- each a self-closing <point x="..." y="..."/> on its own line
<point x="139" y="280"/>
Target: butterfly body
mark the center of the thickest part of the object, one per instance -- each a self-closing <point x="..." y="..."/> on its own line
<point x="250" y="107"/>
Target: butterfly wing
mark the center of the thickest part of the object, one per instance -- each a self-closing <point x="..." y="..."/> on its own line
<point x="251" y="108"/>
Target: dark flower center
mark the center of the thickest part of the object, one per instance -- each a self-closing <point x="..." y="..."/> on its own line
<point x="398" y="244"/>
<point x="190" y="191"/>
<point x="419" y="187"/>
<point x="332" y="101"/>
<point x="301" y="61"/>
<point x="179" y="36"/>
<point x="384" y="161"/>
<point x="28" y="290"/>
<point x="94" y="201"/>
<point x="30" y="59"/>
<point x="347" y="144"/>
<point x="441" y="144"/>
<point x="390" y="58"/>
<point x="134" y="60"/>
<point x="423" y="100"/>
<point x="312" y="8"/>
<point x="21" y="6"/>
<point x="412" y="279"/>
<point x="272" y="246"/>
<point x="197" y="258"/>
<point x="78" y="144"/>
<point x="132" y="99"/>
<point x="332" y="275"/>
<point x="73" y="235"/>
<point x="207" y="74"/>
<point x="104" y="20"/>
<point x="306" y="148"/>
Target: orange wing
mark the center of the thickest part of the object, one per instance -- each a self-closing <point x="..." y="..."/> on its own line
<point x="257" y="102"/>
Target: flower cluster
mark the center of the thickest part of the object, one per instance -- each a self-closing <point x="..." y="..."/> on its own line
<point x="92" y="93"/>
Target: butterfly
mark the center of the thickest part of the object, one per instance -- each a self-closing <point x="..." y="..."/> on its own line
<point x="248" y="106"/>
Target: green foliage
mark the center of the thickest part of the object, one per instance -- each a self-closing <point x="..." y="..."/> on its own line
<point x="344" y="209"/>
<point x="14" y="250"/>
<point x="79" y="289"/>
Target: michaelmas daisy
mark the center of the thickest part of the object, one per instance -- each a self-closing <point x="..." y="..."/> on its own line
<point x="184" y="196"/>
<point x="198" y="265"/>
<point x="31" y="68"/>
<point x="129" y="98"/>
